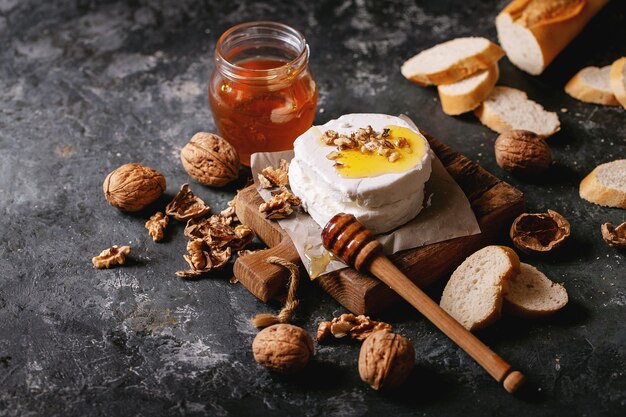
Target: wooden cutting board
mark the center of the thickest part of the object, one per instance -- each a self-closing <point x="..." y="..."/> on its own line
<point x="495" y="204"/>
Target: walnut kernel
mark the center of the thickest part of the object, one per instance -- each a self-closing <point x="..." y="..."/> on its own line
<point x="539" y="232"/>
<point x="156" y="226"/>
<point x="386" y="360"/>
<point x="357" y="327"/>
<point x="522" y="152"/>
<point x="132" y="187"/>
<point x="283" y="348"/>
<point x="210" y="160"/>
<point x="110" y="257"/>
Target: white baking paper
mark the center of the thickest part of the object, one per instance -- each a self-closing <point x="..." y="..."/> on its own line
<point x="447" y="214"/>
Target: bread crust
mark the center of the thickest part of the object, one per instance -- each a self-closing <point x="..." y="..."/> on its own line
<point x="582" y="91"/>
<point x="592" y="190"/>
<point x="462" y="68"/>
<point x="459" y="104"/>
<point x="553" y="35"/>
<point x="618" y="84"/>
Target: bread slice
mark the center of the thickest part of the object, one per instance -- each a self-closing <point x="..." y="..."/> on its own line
<point x="617" y="80"/>
<point x="606" y="185"/>
<point x="508" y="108"/>
<point x="451" y="61"/>
<point x="473" y="295"/>
<point x="592" y="85"/>
<point x="534" y="32"/>
<point x="467" y="94"/>
<point x="531" y="294"/>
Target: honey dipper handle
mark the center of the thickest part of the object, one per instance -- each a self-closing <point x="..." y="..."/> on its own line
<point x="497" y="367"/>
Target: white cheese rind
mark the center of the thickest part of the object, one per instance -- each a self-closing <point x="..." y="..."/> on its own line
<point x="381" y="203"/>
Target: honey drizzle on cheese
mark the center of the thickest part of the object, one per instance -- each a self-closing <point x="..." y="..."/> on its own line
<point x="354" y="164"/>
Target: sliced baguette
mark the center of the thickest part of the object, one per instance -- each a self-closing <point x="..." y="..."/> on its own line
<point x="467" y="94"/>
<point x="592" y="85"/>
<point x="531" y="294"/>
<point x="474" y="293"/>
<point x="451" y="61"/>
<point x="606" y="185"/>
<point x="533" y="32"/>
<point x="618" y="80"/>
<point x="508" y="108"/>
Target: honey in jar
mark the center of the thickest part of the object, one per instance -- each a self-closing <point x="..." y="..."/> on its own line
<point x="261" y="92"/>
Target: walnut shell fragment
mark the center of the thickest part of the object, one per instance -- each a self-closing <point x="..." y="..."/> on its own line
<point x="614" y="236"/>
<point x="156" y="226"/>
<point x="283" y="348"/>
<point x="386" y="360"/>
<point x="132" y="187"/>
<point x="522" y="152"/>
<point x="110" y="257"/>
<point x="218" y="232"/>
<point x="357" y="327"/>
<point x="186" y="205"/>
<point x="210" y="160"/>
<point x="539" y="232"/>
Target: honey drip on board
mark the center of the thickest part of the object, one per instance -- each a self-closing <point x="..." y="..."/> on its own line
<point x="317" y="263"/>
<point x="354" y="164"/>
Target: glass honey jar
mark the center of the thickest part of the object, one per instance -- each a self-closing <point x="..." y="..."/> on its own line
<point x="261" y="92"/>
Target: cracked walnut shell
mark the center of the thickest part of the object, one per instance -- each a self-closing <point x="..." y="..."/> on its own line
<point x="522" y="152"/>
<point x="614" y="236"/>
<point x="210" y="160"/>
<point x="132" y="187"/>
<point x="186" y="205"/>
<point x="386" y="360"/>
<point x="539" y="232"/>
<point x="283" y="348"/>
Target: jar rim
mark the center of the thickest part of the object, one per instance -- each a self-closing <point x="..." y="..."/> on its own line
<point x="290" y="68"/>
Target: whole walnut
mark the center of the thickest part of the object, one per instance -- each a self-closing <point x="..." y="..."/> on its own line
<point x="386" y="360"/>
<point x="283" y="348"/>
<point x="522" y="152"/>
<point x="210" y="160"/>
<point x="132" y="187"/>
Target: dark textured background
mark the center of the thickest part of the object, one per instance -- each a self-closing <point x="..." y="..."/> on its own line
<point x="86" y="86"/>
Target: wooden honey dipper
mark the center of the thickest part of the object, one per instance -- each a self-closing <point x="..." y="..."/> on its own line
<point x="351" y="242"/>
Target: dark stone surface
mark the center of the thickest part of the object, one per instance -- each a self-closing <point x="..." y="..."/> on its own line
<point x="86" y="86"/>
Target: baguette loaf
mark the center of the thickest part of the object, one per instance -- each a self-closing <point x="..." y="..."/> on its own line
<point x="618" y="80"/>
<point x="531" y="294"/>
<point x="467" y="94"/>
<point x="606" y="185"/>
<point x="474" y="293"/>
<point x="451" y="61"/>
<point x="534" y="32"/>
<point x="592" y="85"/>
<point x="507" y="108"/>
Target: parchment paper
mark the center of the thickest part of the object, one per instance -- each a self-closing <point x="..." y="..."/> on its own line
<point x="446" y="214"/>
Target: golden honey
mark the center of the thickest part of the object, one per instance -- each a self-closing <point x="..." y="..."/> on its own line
<point x="354" y="164"/>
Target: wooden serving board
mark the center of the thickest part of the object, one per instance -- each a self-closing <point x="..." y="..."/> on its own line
<point x="495" y="204"/>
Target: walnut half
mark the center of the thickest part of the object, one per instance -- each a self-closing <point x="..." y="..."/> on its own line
<point x="614" y="236"/>
<point x="111" y="257"/>
<point x="539" y="232"/>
